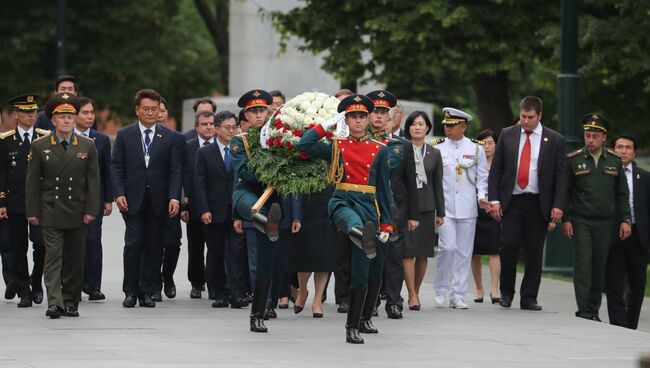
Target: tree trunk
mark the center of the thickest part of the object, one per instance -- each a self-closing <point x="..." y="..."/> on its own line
<point x="217" y="25"/>
<point x="493" y="101"/>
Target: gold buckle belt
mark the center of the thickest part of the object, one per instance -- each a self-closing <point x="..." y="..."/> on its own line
<point x="356" y="188"/>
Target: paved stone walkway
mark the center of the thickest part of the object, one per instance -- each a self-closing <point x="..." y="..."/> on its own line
<point x="189" y="333"/>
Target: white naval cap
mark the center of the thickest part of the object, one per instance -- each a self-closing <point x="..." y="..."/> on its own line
<point x="454" y="116"/>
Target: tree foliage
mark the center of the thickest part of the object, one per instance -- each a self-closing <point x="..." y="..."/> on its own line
<point x="114" y="49"/>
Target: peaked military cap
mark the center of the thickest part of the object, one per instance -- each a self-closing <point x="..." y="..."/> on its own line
<point x="255" y="98"/>
<point x="595" y="123"/>
<point x="382" y="99"/>
<point x="356" y="103"/>
<point x="62" y="103"/>
<point x="24" y="103"/>
<point x="453" y="116"/>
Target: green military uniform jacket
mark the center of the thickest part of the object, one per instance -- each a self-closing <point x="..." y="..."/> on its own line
<point x="597" y="191"/>
<point x="62" y="185"/>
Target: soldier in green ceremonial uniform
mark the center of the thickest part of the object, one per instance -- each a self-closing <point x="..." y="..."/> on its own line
<point x="62" y="195"/>
<point x="360" y="204"/>
<point x="247" y="191"/>
<point x="598" y="194"/>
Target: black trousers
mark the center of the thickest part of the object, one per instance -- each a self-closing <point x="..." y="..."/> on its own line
<point x="6" y="252"/>
<point x="523" y="226"/>
<point x="394" y="271"/>
<point x="142" y="249"/>
<point x="627" y="261"/>
<point x="170" y="251"/>
<point x="94" y="255"/>
<point x="19" y="235"/>
<point x="224" y="266"/>
<point x="342" y="271"/>
<point x="195" y="253"/>
<point x="281" y="278"/>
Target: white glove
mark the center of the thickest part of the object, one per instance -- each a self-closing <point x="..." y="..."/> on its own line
<point x="264" y="134"/>
<point x="333" y="120"/>
<point x="383" y="236"/>
<point x="342" y="130"/>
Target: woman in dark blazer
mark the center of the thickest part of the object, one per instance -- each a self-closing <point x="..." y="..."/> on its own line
<point x="419" y="244"/>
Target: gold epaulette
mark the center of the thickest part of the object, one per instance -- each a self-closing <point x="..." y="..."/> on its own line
<point x="574" y="153"/>
<point x="85" y="137"/>
<point x="41" y="137"/>
<point x="8" y="133"/>
<point x="43" y="131"/>
<point x="478" y="142"/>
<point x="435" y="141"/>
<point x="610" y="150"/>
<point x="376" y="141"/>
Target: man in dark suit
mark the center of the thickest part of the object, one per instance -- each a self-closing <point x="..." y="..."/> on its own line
<point x="93" y="264"/>
<point x="405" y="196"/>
<point x="204" y="104"/>
<point x="146" y="173"/>
<point x="63" y="84"/>
<point x="204" y="126"/>
<point x="214" y="178"/>
<point x="628" y="259"/>
<point x="527" y="188"/>
<point x="14" y="148"/>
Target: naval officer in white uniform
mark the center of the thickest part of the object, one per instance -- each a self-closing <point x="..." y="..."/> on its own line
<point x="465" y="174"/>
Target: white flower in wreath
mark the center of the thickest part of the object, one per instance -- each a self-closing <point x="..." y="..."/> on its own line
<point x="310" y="96"/>
<point x="323" y="113"/>
<point x="331" y="103"/>
<point x="311" y="111"/>
<point x="316" y="105"/>
<point x="319" y="120"/>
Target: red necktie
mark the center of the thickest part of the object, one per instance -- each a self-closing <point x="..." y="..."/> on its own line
<point x="524" y="164"/>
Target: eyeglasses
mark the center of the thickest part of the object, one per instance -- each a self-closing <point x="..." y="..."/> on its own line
<point x="227" y="127"/>
<point x="148" y="109"/>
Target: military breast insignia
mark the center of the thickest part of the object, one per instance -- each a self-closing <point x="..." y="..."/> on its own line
<point x="82" y="155"/>
<point x="234" y="148"/>
<point x="610" y="170"/>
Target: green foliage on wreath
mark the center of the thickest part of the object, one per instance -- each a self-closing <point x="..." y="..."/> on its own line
<point x="288" y="175"/>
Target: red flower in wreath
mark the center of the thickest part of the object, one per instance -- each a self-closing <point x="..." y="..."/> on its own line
<point x="278" y="124"/>
<point x="303" y="156"/>
<point x="288" y="146"/>
<point x="297" y="133"/>
<point x="278" y="142"/>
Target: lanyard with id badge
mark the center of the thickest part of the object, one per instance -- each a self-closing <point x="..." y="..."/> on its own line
<point x="145" y="147"/>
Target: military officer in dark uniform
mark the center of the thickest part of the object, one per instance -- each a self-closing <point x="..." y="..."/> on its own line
<point x="404" y="189"/>
<point x="14" y="148"/>
<point x="598" y="194"/>
<point x="247" y="191"/>
<point x="360" y="205"/>
<point x="62" y="191"/>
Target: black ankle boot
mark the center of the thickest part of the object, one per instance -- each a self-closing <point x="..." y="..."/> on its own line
<point x="357" y="297"/>
<point x="366" y="326"/>
<point x="259" y="305"/>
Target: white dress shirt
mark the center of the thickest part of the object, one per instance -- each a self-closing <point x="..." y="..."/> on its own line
<point x="84" y="134"/>
<point x="202" y="141"/>
<point x="535" y="142"/>
<point x="221" y="150"/>
<point x="630" y="185"/>
<point x="143" y="134"/>
<point x="22" y="132"/>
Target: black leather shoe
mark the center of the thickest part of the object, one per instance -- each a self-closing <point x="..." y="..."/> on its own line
<point x="238" y="303"/>
<point x="146" y="301"/>
<point x="366" y="326"/>
<point x="415" y="307"/>
<point x="269" y="224"/>
<point x="257" y="324"/>
<point x="10" y="291"/>
<point x="352" y="335"/>
<point x="71" y="312"/>
<point x="195" y="293"/>
<point x="270" y="313"/>
<point x="365" y="239"/>
<point x="156" y="297"/>
<point x="532" y="306"/>
<point x="220" y="303"/>
<point x="37" y="296"/>
<point x="96" y="295"/>
<point x="170" y="290"/>
<point x="297" y="309"/>
<point x="53" y="312"/>
<point x="494" y="300"/>
<point x="343" y="307"/>
<point x="25" y="302"/>
<point x="129" y="301"/>
<point x="393" y="312"/>
<point x="595" y="318"/>
<point x="505" y="301"/>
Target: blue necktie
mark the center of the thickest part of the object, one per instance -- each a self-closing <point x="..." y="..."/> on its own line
<point x="147" y="140"/>
<point x="226" y="158"/>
